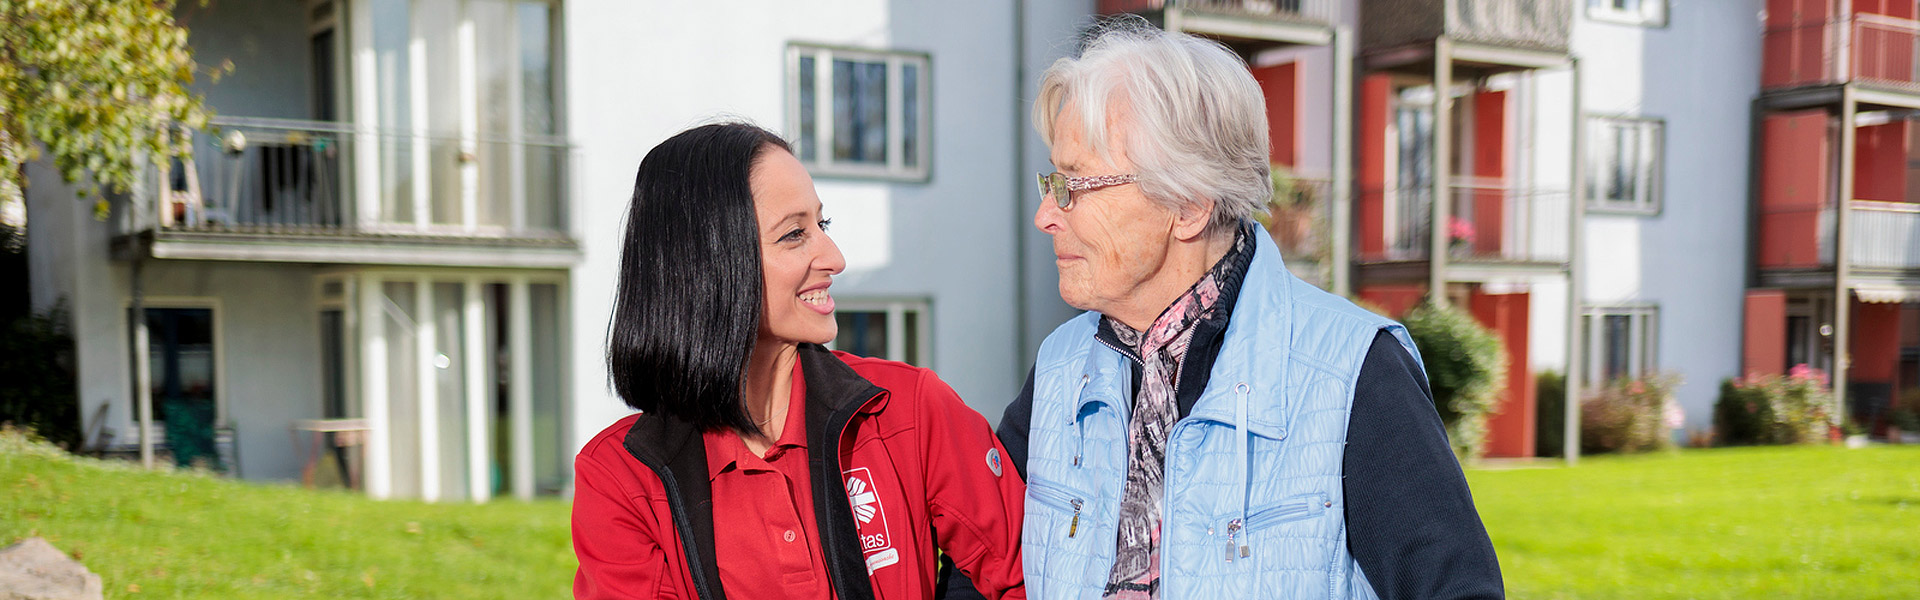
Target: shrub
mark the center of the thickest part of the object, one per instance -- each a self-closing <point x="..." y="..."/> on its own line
<point x="1466" y="365"/>
<point x="1550" y="414"/>
<point x="1630" y="415"/>
<point x="36" y="377"/>
<point x="1905" y="412"/>
<point x="1771" y="409"/>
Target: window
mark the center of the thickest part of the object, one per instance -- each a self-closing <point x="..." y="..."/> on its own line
<point x="1622" y="341"/>
<point x="889" y="330"/>
<point x="1623" y="164"/>
<point x="1651" y="13"/>
<point x="858" y="113"/>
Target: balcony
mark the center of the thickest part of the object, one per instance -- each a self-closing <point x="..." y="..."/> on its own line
<point x="1494" y="34"/>
<point x="1492" y="226"/>
<point x="1885" y="236"/>
<point x="1300" y="220"/>
<point x="1876" y="51"/>
<point x="1244" y="24"/>
<point x="281" y="190"/>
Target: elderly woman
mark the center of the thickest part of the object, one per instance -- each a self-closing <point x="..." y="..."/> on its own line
<point x="761" y="464"/>
<point x="1213" y="427"/>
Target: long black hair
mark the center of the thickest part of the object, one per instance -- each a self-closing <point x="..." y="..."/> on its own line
<point x="687" y="307"/>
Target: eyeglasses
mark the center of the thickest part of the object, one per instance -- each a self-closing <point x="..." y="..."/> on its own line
<point x="1060" y="187"/>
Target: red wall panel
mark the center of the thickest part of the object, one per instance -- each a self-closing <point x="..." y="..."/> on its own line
<point x="1794" y="188"/>
<point x="1876" y="342"/>
<point x="1880" y="162"/>
<point x="1510" y="431"/>
<point x="1489" y="169"/>
<point x="1281" y="85"/>
<point x="1396" y="300"/>
<point x="1375" y="92"/>
<point x="1764" y="345"/>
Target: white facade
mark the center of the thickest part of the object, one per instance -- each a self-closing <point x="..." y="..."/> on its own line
<point x="1695" y="75"/>
<point x="296" y="325"/>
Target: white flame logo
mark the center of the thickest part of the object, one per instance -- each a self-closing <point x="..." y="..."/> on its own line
<point x="865" y="503"/>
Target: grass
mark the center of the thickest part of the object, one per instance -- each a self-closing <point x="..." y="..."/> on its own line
<point x="1817" y="522"/>
<point x="190" y="535"/>
<point x="1775" y="522"/>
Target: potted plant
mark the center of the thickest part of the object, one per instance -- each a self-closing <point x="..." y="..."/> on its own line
<point x="1459" y="236"/>
<point x="1290" y="212"/>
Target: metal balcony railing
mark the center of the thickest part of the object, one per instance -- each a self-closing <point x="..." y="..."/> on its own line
<point x="1490" y="222"/>
<point x="1884" y="235"/>
<point x="1543" y="25"/>
<point x="277" y="175"/>
<point x="1294" y="11"/>
<point x="1868" y="48"/>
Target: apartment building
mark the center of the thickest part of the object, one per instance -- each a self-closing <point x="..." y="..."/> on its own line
<point x="1835" y="268"/>
<point x="395" y="246"/>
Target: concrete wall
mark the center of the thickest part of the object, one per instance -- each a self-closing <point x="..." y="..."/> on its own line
<point x="267" y="42"/>
<point x="1699" y="74"/>
<point x="267" y="346"/>
<point x="640" y="72"/>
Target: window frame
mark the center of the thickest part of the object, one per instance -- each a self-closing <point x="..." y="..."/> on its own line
<point x="895" y="311"/>
<point x="1651" y="13"/>
<point x="1649" y="175"/>
<point x="1643" y="341"/>
<point x="821" y="163"/>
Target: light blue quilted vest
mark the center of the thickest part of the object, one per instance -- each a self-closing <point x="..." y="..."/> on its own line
<point x="1254" y="505"/>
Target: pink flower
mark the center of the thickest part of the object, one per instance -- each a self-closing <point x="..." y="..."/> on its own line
<point x="1674" y="416"/>
<point x="1637" y="387"/>
<point x="1460" y="230"/>
<point x="1802" y="372"/>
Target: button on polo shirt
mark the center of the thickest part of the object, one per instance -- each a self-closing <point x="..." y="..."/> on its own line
<point x="763" y="524"/>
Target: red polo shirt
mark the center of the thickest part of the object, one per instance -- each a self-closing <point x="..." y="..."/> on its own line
<point x="763" y="526"/>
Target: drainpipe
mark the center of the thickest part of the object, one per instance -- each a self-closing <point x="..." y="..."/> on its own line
<point x="1020" y="188"/>
<point x="1576" y="219"/>
<point x="142" y="367"/>
<point x="1340" y="225"/>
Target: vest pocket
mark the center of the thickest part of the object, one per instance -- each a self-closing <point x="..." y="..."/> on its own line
<point x="1053" y="524"/>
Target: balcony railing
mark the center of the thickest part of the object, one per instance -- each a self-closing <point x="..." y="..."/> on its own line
<point x="1489" y="223"/>
<point x="1884" y="235"/>
<point x="1296" y="11"/>
<point x="1868" y="48"/>
<point x="275" y="175"/>
<point x="1543" y="25"/>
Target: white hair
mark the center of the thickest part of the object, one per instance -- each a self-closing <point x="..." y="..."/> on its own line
<point x="1195" y="120"/>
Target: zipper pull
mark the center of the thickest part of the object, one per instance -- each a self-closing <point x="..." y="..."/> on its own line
<point x="1233" y="531"/>
<point x="1074" y="527"/>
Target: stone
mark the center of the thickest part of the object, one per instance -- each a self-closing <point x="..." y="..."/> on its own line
<point x="35" y="570"/>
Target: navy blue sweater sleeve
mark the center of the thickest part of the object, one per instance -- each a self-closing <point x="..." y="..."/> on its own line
<point x="1014" y="423"/>
<point x="1410" y="518"/>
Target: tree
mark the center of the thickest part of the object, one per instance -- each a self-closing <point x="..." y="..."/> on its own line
<point x="99" y="83"/>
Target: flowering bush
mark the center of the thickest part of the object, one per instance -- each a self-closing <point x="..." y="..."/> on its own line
<point x="1631" y="415"/>
<point x="1771" y="409"/>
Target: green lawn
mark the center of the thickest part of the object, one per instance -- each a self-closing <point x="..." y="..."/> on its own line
<point x="1821" y="522"/>
<point x="184" y="535"/>
<point x="1727" y="523"/>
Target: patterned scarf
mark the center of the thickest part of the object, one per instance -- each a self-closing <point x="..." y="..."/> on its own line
<point x="1161" y="350"/>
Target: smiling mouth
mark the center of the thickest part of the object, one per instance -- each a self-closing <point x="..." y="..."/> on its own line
<point x="818" y="300"/>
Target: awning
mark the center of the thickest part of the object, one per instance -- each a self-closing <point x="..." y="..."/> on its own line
<point x="1887" y="293"/>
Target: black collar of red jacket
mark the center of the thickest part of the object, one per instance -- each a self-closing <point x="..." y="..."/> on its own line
<point x="674" y="450"/>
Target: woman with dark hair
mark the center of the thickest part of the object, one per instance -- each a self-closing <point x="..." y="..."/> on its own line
<point x="761" y="464"/>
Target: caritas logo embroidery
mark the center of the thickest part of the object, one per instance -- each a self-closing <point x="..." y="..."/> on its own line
<point x="871" y="516"/>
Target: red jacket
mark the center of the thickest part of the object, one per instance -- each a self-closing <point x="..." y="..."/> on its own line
<point x="643" y="510"/>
